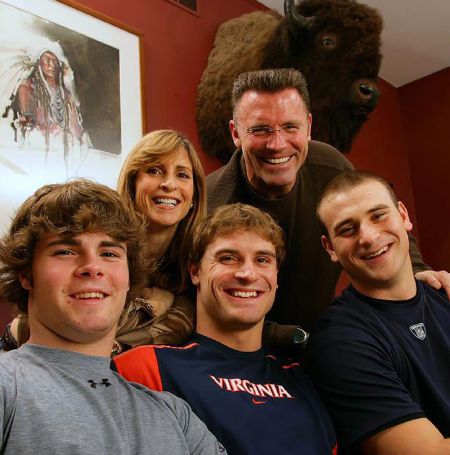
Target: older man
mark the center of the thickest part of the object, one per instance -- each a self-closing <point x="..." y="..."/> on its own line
<point x="380" y="353"/>
<point x="279" y="169"/>
<point x="69" y="260"/>
<point x="252" y="401"/>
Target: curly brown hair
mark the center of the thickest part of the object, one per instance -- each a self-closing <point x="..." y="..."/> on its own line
<point x="68" y="209"/>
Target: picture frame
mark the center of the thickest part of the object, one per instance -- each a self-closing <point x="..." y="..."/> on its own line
<point x="71" y="96"/>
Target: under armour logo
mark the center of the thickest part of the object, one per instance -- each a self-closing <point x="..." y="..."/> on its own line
<point x="418" y="330"/>
<point x="94" y="384"/>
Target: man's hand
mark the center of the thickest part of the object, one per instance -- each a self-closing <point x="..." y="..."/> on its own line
<point x="436" y="280"/>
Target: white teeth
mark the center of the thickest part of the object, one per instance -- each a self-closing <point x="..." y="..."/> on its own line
<point x="90" y="295"/>
<point x="277" y="160"/>
<point x="246" y="294"/>
<point x="166" y="201"/>
<point x="370" y="256"/>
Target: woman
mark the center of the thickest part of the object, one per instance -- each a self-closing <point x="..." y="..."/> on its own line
<point x="163" y="179"/>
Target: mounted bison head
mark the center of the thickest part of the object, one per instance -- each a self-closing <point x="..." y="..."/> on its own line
<point x="334" y="43"/>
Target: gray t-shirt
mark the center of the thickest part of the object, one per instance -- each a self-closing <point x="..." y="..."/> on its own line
<point x="59" y="402"/>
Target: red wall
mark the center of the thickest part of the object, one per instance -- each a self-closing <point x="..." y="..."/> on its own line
<point x="425" y="107"/>
<point x="176" y="48"/>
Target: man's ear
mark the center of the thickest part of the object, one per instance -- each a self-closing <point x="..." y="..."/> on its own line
<point x="328" y="246"/>
<point x="235" y="134"/>
<point x="193" y="271"/>
<point x="25" y="281"/>
<point x="405" y="217"/>
<point x="309" y="126"/>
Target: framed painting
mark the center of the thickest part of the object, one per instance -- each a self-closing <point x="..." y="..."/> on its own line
<point x="71" y="97"/>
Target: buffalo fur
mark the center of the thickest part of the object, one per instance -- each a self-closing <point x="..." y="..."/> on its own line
<point x="267" y="40"/>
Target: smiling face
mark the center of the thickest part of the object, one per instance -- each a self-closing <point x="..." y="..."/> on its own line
<point x="164" y="191"/>
<point x="368" y="235"/>
<point x="272" y="162"/>
<point x="77" y="290"/>
<point x="236" y="283"/>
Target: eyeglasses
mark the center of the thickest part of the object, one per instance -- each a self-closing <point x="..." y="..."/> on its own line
<point x="265" y="132"/>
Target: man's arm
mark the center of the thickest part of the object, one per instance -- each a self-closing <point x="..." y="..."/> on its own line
<point x="198" y="438"/>
<point x="415" y="437"/>
<point x="353" y="370"/>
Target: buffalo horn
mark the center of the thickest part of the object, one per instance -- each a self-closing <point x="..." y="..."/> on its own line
<point x="291" y="12"/>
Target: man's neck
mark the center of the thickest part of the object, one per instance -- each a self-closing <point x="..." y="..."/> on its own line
<point x="43" y="337"/>
<point x="245" y="340"/>
<point x="403" y="290"/>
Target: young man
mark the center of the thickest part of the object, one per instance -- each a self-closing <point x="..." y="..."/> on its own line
<point x="253" y="402"/>
<point x="72" y="254"/>
<point x="380" y="354"/>
<point x="278" y="168"/>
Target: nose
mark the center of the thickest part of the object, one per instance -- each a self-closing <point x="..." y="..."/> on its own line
<point x="169" y="183"/>
<point x="90" y="266"/>
<point x="276" y="141"/>
<point x="246" y="272"/>
<point x="365" y="93"/>
<point x="368" y="234"/>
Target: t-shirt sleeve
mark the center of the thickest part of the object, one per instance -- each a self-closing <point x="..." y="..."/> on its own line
<point x="198" y="438"/>
<point x="357" y="377"/>
<point x="140" y="365"/>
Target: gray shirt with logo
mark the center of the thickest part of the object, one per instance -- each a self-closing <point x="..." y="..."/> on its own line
<point x="54" y="401"/>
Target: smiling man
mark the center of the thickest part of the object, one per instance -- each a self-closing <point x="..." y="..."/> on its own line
<point x="252" y="402"/>
<point x="279" y="169"/>
<point x="380" y="353"/>
<point x="72" y="254"/>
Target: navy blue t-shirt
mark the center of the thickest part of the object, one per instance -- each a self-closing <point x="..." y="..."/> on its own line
<point x="379" y="363"/>
<point x="252" y="402"/>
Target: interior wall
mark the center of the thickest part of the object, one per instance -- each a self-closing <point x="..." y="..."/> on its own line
<point x="425" y="107"/>
<point x="176" y="48"/>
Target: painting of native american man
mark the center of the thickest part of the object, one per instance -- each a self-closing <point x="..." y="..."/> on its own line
<point x="46" y="101"/>
<point x="59" y="90"/>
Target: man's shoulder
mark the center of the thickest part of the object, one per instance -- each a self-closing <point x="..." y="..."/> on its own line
<point x="222" y="184"/>
<point x="11" y="359"/>
<point x="226" y="174"/>
<point x="144" y="364"/>
<point x="321" y="154"/>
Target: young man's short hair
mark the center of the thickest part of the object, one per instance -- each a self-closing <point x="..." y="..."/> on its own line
<point x="269" y="80"/>
<point x="230" y="218"/>
<point x="67" y="209"/>
<point x="347" y="181"/>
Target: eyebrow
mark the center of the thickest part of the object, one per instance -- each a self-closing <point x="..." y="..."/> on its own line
<point x="186" y="168"/>
<point x="70" y="241"/>
<point x="350" y="220"/>
<point x="233" y="251"/>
